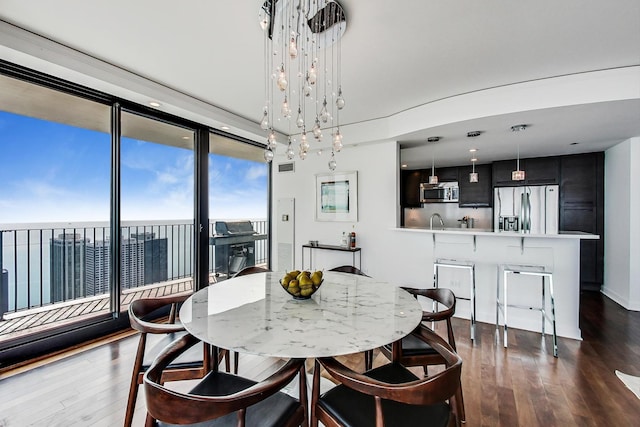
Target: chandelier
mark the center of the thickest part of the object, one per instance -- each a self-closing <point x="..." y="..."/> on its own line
<point x="302" y="66"/>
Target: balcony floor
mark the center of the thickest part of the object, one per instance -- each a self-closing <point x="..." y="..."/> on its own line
<point x="26" y="322"/>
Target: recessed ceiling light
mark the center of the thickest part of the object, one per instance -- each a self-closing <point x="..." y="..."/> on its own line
<point x="574" y="143"/>
<point x="473" y="150"/>
<point x="155" y="104"/>
<point x="474" y="159"/>
<point x="225" y="127"/>
<point x="518" y="128"/>
<point x="186" y="137"/>
<point x="404" y="165"/>
<point x="433" y="139"/>
<point x="474" y="133"/>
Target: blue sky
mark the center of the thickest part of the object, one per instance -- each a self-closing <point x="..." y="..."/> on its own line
<point x="51" y="172"/>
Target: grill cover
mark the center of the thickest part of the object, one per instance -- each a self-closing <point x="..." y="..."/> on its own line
<point x="235" y="228"/>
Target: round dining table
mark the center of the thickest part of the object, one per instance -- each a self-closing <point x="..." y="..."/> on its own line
<point x="253" y="314"/>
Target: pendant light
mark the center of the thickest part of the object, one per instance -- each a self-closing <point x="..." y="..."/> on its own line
<point x="433" y="178"/>
<point x="518" y="175"/>
<point x="473" y="176"/>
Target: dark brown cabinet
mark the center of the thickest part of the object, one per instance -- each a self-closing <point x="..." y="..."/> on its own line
<point x="410" y="188"/>
<point x="538" y="171"/>
<point x="501" y="173"/>
<point x="582" y="209"/>
<point x="449" y="174"/>
<point x="541" y="170"/>
<point x="475" y="194"/>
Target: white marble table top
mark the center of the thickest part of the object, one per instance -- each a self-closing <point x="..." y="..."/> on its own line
<point x="253" y="314"/>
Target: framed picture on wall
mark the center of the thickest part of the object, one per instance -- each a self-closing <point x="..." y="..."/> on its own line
<point x="337" y="196"/>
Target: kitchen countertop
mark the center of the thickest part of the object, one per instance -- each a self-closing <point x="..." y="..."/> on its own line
<point x="491" y="233"/>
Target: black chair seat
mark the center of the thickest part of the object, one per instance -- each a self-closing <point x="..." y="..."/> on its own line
<point x="155" y="343"/>
<point x="355" y="409"/>
<point x="412" y="345"/>
<point x="274" y="411"/>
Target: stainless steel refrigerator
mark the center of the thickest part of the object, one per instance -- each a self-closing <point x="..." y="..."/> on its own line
<point x="526" y="209"/>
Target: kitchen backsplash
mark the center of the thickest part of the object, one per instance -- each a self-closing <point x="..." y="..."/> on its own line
<point x="450" y="213"/>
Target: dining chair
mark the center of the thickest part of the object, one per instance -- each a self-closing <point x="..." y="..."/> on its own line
<point x="390" y="394"/>
<point x="224" y="399"/>
<point x="349" y="269"/>
<point x="154" y="337"/>
<point x="412" y="351"/>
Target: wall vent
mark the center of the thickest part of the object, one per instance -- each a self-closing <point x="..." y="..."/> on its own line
<point x="286" y="167"/>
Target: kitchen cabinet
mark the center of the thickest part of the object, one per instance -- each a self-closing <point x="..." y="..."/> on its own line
<point x="501" y="173"/>
<point x="449" y="174"/>
<point x="475" y="194"/>
<point x="582" y="209"/>
<point x="538" y="171"/>
<point x="410" y="187"/>
<point x="541" y="170"/>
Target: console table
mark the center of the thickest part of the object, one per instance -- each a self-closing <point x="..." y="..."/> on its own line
<point x="332" y="248"/>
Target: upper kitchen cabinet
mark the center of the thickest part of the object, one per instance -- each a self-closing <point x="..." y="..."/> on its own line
<point x="541" y="170"/>
<point x="475" y="194"/>
<point x="446" y="174"/>
<point x="538" y="171"/>
<point x="410" y="188"/>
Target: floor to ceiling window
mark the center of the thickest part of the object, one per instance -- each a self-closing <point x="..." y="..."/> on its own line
<point x="54" y="193"/>
<point x="71" y="190"/>
<point x="157" y="185"/>
<point x="238" y="206"/>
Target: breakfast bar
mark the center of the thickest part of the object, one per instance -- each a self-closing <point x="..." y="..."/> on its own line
<point x="489" y="250"/>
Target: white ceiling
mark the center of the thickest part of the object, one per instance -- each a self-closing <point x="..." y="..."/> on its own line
<point x="399" y="59"/>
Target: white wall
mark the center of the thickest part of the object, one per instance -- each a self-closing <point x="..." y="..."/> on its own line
<point x="622" y="231"/>
<point x="385" y="254"/>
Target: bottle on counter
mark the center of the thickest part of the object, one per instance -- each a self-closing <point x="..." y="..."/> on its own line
<point x="345" y="241"/>
<point x="352" y="240"/>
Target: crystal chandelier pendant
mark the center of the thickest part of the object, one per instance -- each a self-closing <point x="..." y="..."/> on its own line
<point x="268" y="155"/>
<point x="337" y="141"/>
<point x="271" y="140"/>
<point x="340" y="99"/>
<point x="300" y="119"/>
<point x="290" y="153"/>
<point x="317" y="132"/>
<point x="312" y="76"/>
<point x="304" y="144"/>
<point x="282" y="79"/>
<point x="302" y="154"/>
<point x="293" y="48"/>
<point x="324" y="114"/>
<point x="307" y="90"/>
<point x="285" y="110"/>
<point x="332" y="162"/>
<point x="264" y="124"/>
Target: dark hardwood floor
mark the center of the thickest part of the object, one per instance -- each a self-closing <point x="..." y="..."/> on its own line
<point x="523" y="385"/>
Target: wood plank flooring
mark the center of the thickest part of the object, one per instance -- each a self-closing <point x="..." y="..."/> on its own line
<point x="523" y="385"/>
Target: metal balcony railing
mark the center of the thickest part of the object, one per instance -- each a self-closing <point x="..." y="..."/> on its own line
<point x="46" y="266"/>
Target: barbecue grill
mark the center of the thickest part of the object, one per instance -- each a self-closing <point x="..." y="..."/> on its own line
<point x="234" y="246"/>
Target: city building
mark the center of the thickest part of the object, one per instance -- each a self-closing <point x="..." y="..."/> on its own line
<point x="68" y="266"/>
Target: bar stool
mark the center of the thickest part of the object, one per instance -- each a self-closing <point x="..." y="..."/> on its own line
<point x="526" y="270"/>
<point x="465" y="265"/>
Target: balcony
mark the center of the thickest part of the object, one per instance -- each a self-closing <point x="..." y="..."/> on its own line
<point x="53" y="277"/>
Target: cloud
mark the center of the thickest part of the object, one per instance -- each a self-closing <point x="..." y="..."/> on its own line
<point x="255" y="172"/>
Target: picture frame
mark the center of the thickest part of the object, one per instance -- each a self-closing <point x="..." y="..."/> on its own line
<point x="337" y="196"/>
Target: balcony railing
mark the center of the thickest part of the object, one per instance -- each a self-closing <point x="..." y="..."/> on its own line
<point x="48" y="266"/>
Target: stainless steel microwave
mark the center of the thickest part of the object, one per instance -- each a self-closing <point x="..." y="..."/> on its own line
<point x="443" y="192"/>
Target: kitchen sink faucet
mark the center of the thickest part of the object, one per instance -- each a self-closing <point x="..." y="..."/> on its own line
<point x="439" y="218"/>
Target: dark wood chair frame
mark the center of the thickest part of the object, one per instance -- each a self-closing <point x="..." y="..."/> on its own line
<point x="138" y="310"/>
<point x="349" y="269"/>
<point x="174" y="407"/>
<point x="446" y="298"/>
<point x="437" y="388"/>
